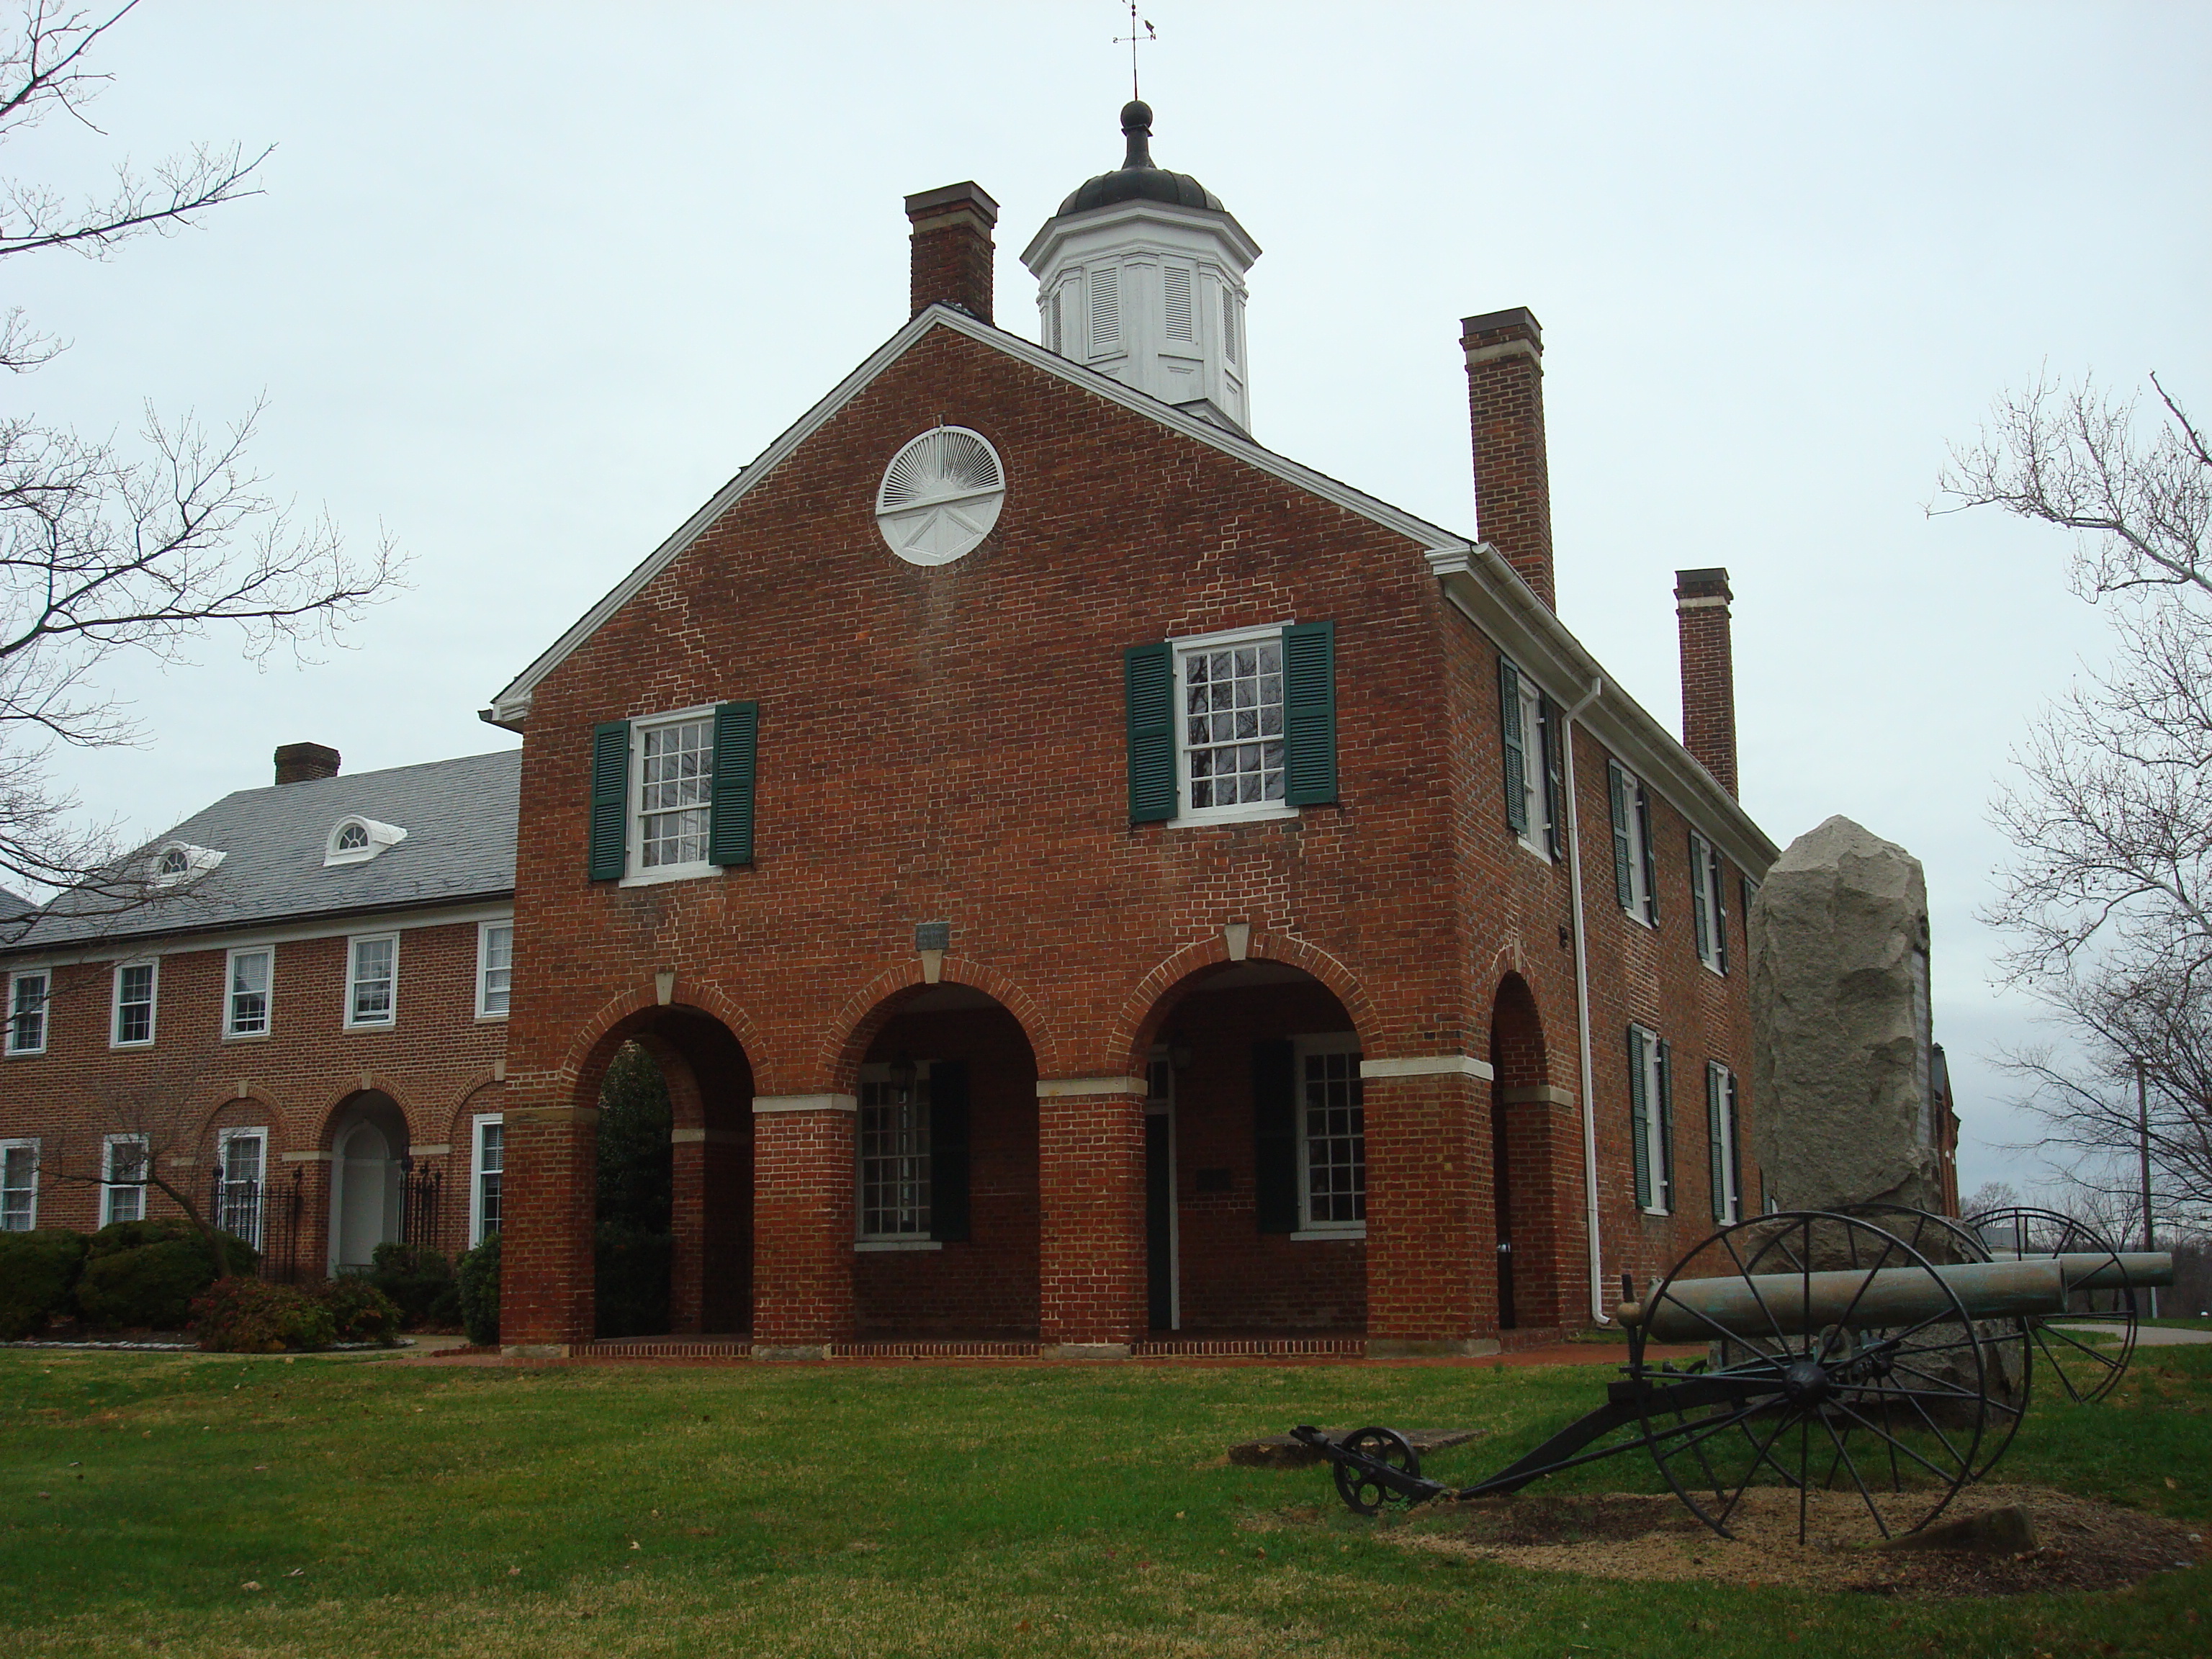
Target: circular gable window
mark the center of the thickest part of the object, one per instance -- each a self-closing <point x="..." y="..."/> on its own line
<point x="940" y="495"/>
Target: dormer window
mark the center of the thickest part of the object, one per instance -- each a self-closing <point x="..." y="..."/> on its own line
<point x="180" y="862"/>
<point x="356" y="841"/>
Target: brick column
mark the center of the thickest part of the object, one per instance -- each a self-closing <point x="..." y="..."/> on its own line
<point x="1512" y="477"/>
<point x="1432" y="1233"/>
<point x="549" y="1199"/>
<point x="803" y="1177"/>
<point x="1544" y="1136"/>
<point x="687" y="1221"/>
<point x="1090" y="1196"/>
<point x="1701" y="611"/>
<point x="952" y="250"/>
<point x="726" y="1297"/>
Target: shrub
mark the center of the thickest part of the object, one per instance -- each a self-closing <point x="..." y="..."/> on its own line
<point x="419" y="1281"/>
<point x="37" y="1274"/>
<point x="244" y="1315"/>
<point x="359" y="1311"/>
<point x="144" y="1274"/>
<point x="479" y="1293"/>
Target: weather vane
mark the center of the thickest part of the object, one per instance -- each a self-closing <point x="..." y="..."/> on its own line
<point x="1133" y="41"/>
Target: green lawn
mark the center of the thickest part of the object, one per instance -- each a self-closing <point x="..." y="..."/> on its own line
<point x="389" y="1509"/>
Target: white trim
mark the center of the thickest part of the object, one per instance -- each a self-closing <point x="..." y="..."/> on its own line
<point x="376" y="838"/>
<point x="806" y="1103"/>
<point x="916" y="1103"/>
<point x="230" y="1034"/>
<point x="45" y="1012"/>
<point x="354" y="942"/>
<point x="1705" y="877"/>
<point x="1321" y="1043"/>
<point x="1732" y="1177"/>
<point x="1053" y="1088"/>
<point x="1244" y="811"/>
<point x="180" y="944"/>
<point x="1429" y="1065"/>
<point x="896" y="1245"/>
<point x="223" y="1139"/>
<point x="1655" y="1150"/>
<point x="635" y="872"/>
<point x="153" y="1003"/>
<point x="484" y="930"/>
<point x="108" y="1185"/>
<point x="31" y="1219"/>
<point x="198" y="861"/>
<point x="477" y="1125"/>
<point x="1353" y="1230"/>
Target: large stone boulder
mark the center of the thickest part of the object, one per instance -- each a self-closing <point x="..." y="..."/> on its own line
<point x="1840" y="1025"/>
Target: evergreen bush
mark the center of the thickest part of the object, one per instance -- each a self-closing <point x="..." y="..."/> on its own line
<point x="142" y="1275"/>
<point x="37" y="1276"/>
<point x="419" y="1281"/>
<point x="360" y="1310"/>
<point x="634" y="1240"/>
<point x="244" y="1315"/>
<point x="479" y="1283"/>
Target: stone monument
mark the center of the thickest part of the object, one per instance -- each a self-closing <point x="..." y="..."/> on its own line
<point x="1840" y="1027"/>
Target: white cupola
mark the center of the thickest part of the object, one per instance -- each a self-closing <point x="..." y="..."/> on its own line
<point x="1140" y="276"/>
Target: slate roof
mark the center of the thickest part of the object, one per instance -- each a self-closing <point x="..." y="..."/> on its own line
<point x="460" y="817"/>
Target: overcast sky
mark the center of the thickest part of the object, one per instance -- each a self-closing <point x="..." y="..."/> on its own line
<point x="529" y="283"/>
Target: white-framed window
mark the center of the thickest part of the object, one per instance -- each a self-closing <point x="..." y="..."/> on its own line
<point x="671" y="794"/>
<point x="358" y="840"/>
<point x="249" y="979"/>
<point x="372" y="981"/>
<point x="1527" y="752"/>
<point x="1721" y="1135"/>
<point x="495" y="968"/>
<point x="123" y="1179"/>
<point x="1229" y="746"/>
<point x="1633" y="873"/>
<point x="488" y="1161"/>
<point x="18" y="1186"/>
<point x="136" y="986"/>
<point x="1651" y="1119"/>
<point x="27" y="996"/>
<point x="1331" y="1138"/>
<point x="180" y="862"/>
<point x="1707" y="907"/>
<point x="893" y="1144"/>
<point x="242" y="1158"/>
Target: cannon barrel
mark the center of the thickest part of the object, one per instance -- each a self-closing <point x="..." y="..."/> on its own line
<point x="2093" y="1270"/>
<point x="1758" y="1305"/>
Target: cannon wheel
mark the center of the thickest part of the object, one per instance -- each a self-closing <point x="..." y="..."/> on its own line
<point x="1361" y="1492"/>
<point x="2085" y="1370"/>
<point x="2009" y="1343"/>
<point x="1854" y="1407"/>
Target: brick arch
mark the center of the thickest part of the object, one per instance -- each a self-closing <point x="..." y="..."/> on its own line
<point x="869" y="1009"/>
<point x="466" y="1107"/>
<point x="252" y="1103"/>
<point x="589" y="1050"/>
<point x="326" y="1116"/>
<point x="1146" y="1007"/>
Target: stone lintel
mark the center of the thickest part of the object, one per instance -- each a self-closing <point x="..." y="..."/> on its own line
<point x="1428" y="1065"/>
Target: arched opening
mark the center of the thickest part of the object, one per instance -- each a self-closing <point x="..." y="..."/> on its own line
<point x="1256" y="1158"/>
<point x="672" y="1234"/>
<point x="368" y="1166"/>
<point x="945" y="1199"/>
<point x="1523" y="1131"/>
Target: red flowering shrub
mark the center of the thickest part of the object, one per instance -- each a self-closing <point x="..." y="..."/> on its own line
<point x="245" y="1315"/>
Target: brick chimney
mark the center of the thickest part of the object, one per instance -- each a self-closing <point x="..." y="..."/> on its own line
<point x="1512" y="484"/>
<point x="1701" y="611"/>
<point x="952" y="247"/>
<point x="303" y="762"/>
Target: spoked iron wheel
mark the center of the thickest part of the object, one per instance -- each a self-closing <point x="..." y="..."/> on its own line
<point x="2008" y="1344"/>
<point x="2085" y="1369"/>
<point x="1361" y="1491"/>
<point x="1844" y="1364"/>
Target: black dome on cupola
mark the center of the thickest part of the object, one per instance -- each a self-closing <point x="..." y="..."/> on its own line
<point x="1137" y="179"/>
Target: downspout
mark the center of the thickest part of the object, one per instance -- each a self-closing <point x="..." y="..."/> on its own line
<point x="1583" y="1007"/>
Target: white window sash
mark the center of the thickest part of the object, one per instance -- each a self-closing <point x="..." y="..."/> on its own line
<point x="1180" y="651"/>
<point x="151" y="1003"/>
<point x="478" y="1176"/>
<point x="122" y="1201"/>
<point x="231" y="1025"/>
<point x="237" y="1211"/>
<point x="19" y="1185"/>
<point x="1535" y="786"/>
<point x="486" y="991"/>
<point x="900" y="1187"/>
<point x="1717" y="1079"/>
<point x="1310" y="1225"/>
<point x="356" y="982"/>
<point x="1655" y="1128"/>
<point x="22" y="1019"/>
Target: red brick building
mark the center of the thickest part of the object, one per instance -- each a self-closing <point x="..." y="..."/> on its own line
<point x="296" y="1012"/>
<point x="1088" y="878"/>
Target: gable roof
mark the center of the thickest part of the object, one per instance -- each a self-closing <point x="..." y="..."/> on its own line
<point x="1475" y="577"/>
<point x="460" y="817"/>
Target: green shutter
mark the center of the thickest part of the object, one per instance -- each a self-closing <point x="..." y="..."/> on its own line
<point x="1716" y="1143"/>
<point x="1148" y="695"/>
<point x="1309" y="714"/>
<point x="1698" y="893"/>
<point x="1555" y="783"/>
<point x="610" y="853"/>
<point x="1624" y="882"/>
<point x="1639" y="1118"/>
<point x="1736" y="1155"/>
<point x="1516" y="747"/>
<point x="730" y="824"/>
<point x="948" y="1150"/>
<point x="1275" y="1136"/>
<point x="1720" y="907"/>
<point x="1651" y="862"/>
<point x="1665" y="1126"/>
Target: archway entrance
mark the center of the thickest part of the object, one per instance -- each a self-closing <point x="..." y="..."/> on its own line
<point x="1256" y="1165"/>
<point x="369" y="1144"/>
<point x="1523" y="1130"/>
<point x="945" y="1202"/>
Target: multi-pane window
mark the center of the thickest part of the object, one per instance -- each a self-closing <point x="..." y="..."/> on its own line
<point x="123" y="1179"/>
<point x="490" y="1162"/>
<point x="1631" y="843"/>
<point x="675" y="798"/>
<point x="1332" y="1135"/>
<point x="1720" y="1126"/>
<point x="1521" y="717"/>
<point x="894" y="1145"/>
<point x="372" y="980"/>
<point x="18" y="1186"/>
<point x="495" y="968"/>
<point x="135" y="983"/>
<point x="238" y="1158"/>
<point x="1232" y="724"/>
<point x="246" y="1005"/>
<point x="1651" y="1120"/>
<point x="1707" y="906"/>
<point x="27" y="1013"/>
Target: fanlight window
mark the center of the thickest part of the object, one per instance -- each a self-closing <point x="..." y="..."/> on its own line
<point x="352" y="837"/>
<point x="940" y="495"/>
<point x="180" y="862"/>
<point x="356" y="841"/>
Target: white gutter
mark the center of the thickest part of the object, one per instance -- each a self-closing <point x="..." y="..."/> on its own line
<point x="1583" y="1008"/>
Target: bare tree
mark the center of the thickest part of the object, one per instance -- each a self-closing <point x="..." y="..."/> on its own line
<point x="105" y="550"/>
